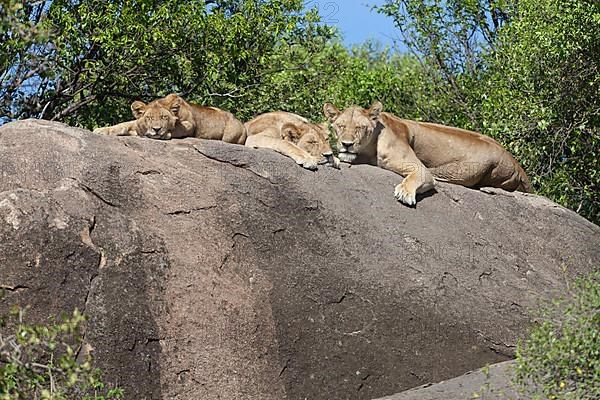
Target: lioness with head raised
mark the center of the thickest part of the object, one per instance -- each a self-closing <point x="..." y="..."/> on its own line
<point x="173" y="117"/>
<point x="423" y="152"/>
<point x="293" y="136"/>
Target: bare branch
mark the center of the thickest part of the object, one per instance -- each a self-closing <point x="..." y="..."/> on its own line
<point x="73" y="107"/>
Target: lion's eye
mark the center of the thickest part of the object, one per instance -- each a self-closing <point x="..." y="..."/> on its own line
<point x="163" y="117"/>
<point x="148" y="117"/>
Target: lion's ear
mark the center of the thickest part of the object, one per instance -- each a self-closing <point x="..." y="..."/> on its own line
<point x="170" y="97"/>
<point x="290" y="133"/>
<point x="174" y="103"/>
<point x="330" y="111"/>
<point x="375" y="110"/>
<point x="138" y="108"/>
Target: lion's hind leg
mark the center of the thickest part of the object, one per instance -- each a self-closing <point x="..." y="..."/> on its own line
<point x="465" y="173"/>
<point x="507" y="174"/>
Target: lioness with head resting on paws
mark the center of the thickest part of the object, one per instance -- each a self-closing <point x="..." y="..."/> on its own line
<point x="173" y="117"/>
<point x="423" y="152"/>
<point x="293" y="136"/>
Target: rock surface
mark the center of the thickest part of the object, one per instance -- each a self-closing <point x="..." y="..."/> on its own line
<point x="490" y="383"/>
<point x="214" y="271"/>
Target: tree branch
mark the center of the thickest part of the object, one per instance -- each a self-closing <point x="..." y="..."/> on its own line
<point x="73" y="107"/>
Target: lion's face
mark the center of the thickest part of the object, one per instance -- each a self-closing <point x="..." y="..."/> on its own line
<point x="354" y="128"/>
<point x="154" y="120"/>
<point x="313" y="141"/>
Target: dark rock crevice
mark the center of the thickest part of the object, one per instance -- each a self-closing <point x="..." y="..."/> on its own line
<point x="97" y="195"/>
<point x="191" y="210"/>
<point x="15" y="288"/>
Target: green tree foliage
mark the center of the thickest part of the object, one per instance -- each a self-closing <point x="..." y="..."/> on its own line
<point x="525" y="72"/>
<point x="40" y="362"/>
<point x="104" y="54"/>
<point x="248" y="56"/>
<point x="544" y="97"/>
<point x="450" y="38"/>
<point x="561" y="358"/>
<point x="336" y="74"/>
<point x="20" y="37"/>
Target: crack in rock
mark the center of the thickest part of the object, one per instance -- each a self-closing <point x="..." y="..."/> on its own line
<point x="341" y="298"/>
<point x="495" y="342"/>
<point x="237" y="165"/>
<point x="230" y="252"/>
<point x="86" y="238"/>
<point x="485" y="274"/>
<point x="16" y="288"/>
<point x="91" y="191"/>
<point x="149" y="172"/>
<point x="85" y="348"/>
<point x="285" y="366"/>
<point x="191" y="210"/>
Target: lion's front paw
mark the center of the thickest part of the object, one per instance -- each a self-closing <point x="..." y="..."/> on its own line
<point x="333" y="161"/>
<point x="405" y="194"/>
<point x="188" y="127"/>
<point x="330" y="160"/>
<point x="102" y="131"/>
<point x="310" y="163"/>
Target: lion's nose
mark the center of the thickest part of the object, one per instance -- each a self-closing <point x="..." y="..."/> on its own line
<point x="347" y="143"/>
<point x="156" y="130"/>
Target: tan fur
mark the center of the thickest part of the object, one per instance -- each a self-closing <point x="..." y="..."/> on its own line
<point x="173" y="117"/>
<point x="423" y="152"/>
<point x="293" y="136"/>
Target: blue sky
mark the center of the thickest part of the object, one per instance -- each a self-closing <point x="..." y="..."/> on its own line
<point x="356" y="20"/>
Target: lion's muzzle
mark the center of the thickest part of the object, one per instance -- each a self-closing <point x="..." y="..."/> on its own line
<point x="347" y="157"/>
<point x="346" y="146"/>
<point x="346" y="151"/>
<point x="159" y="135"/>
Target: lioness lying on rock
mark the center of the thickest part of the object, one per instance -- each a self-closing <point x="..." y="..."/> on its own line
<point x="173" y="117"/>
<point x="293" y="136"/>
<point x="423" y="152"/>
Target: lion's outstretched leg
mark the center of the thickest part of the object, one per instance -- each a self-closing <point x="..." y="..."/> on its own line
<point x="300" y="156"/>
<point x="331" y="160"/>
<point x="123" y="129"/>
<point x="417" y="178"/>
<point x="406" y="192"/>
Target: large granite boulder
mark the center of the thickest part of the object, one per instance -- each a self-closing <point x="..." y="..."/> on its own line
<point x="214" y="271"/>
